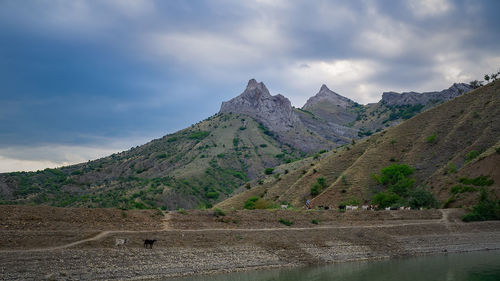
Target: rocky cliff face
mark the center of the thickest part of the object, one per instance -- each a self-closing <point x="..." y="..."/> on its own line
<point x="275" y="112"/>
<point x="414" y="98"/>
<point x="325" y="95"/>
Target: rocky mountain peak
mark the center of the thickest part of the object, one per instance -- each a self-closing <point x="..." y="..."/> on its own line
<point x="273" y="111"/>
<point x="414" y="98"/>
<point x="329" y="96"/>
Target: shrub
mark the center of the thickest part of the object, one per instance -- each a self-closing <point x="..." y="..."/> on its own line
<point x="431" y="138"/>
<point x="250" y="203"/>
<point x="181" y="211"/>
<point x="485" y="209"/>
<point x="236" y="141"/>
<point x="422" y="198"/>
<point x="172" y="139"/>
<point x="397" y="178"/>
<point x="285" y="221"/>
<point x="448" y="201"/>
<point x="462" y="189"/>
<point x="478" y="181"/>
<point x="315" y="221"/>
<point x="262" y="204"/>
<point x="385" y="199"/>
<point x="198" y="135"/>
<point x="471" y="155"/>
<point x="268" y="171"/>
<point x="318" y="186"/>
<point x="212" y="194"/>
<point x="219" y="213"/>
<point x="263" y="145"/>
<point x="315" y="189"/>
<point x="452" y="168"/>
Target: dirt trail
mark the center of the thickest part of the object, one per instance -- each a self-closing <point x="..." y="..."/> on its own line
<point x="167" y="228"/>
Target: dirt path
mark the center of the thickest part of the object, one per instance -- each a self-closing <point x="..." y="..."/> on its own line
<point x="167" y="228"/>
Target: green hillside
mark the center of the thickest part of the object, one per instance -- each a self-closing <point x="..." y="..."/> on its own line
<point x="194" y="167"/>
<point x="452" y="151"/>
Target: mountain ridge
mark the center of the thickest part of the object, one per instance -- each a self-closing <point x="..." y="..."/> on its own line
<point x="199" y="165"/>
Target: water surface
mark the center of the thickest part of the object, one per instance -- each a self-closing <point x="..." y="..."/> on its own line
<point x="475" y="266"/>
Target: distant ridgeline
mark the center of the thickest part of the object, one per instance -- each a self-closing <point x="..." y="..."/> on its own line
<point x="211" y="160"/>
<point x="447" y="156"/>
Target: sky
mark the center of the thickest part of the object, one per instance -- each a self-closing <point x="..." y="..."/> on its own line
<point x="81" y="80"/>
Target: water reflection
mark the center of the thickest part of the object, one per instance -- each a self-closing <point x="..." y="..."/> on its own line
<point x="476" y="266"/>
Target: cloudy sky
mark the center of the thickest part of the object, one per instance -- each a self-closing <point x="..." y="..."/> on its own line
<point x="83" y="79"/>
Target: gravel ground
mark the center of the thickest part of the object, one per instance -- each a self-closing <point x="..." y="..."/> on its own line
<point x="180" y="252"/>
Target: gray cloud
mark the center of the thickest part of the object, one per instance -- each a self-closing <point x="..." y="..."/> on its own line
<point x="111" y="70"/>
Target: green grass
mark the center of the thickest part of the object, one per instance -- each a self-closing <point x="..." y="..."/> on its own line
<point x="285" y="222"/>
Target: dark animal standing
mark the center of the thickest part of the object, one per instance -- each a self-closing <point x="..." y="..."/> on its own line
<point x="149" y="242"/>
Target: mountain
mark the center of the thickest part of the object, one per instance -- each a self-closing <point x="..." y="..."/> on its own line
<point x="277" y="114"/>
<point x="203" y="164"/>
<point x="454" y="149"/>
<point x="194" y="167"/>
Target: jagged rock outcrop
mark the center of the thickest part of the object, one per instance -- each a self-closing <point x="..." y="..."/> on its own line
<point x="275" y="112"/>
<point x="414" y="98"/>
<point x="326" y="95"/>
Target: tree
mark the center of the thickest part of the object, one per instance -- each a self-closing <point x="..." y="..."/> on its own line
<point x="385" y="199"/>
<point x="494" y="76"/>
<point x="397" y="178"/>
<point x="487" y="78"/>
<point x="475" y="84"/>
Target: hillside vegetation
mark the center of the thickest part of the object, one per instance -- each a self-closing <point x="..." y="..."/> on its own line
<point x="453" y="151"/>
<point x="194" y="167"/>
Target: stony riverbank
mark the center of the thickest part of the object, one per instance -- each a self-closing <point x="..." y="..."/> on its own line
<point x="180" y="252"/>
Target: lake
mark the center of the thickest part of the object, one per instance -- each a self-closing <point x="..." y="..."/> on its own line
<point x="475" y="266"/>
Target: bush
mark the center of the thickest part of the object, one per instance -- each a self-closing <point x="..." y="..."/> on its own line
<point x="268" y="171"/>
<point x="318" y="186"/>
<point x="250" y="203"/>
<point x="471" y="155"/>
<point x="219" y="213"/>
<point x="421" y="198"/>
<point x="285" y="222"/>
<point x="431" y="138"/>
<point x="315" y="221"/>
<point x="478" y="181"/>
<point x="263" y="145"/>
<point x="397" y="178"/>
<point x="452" y="168"/>
<point x="181" y="211"/>
<point x="462" y="189"/>
<point x="199" y="135"/>
<point x="212" y="194"/>
<point x="485" y="209"/>
<point x="385" y="199"/>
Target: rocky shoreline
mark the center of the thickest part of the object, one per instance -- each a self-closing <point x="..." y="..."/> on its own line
<point x="182" y="252"/>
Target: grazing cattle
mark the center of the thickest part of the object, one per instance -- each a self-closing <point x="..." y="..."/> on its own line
<point x="327" y="207"/>
<point x="120" y="242"/>
<point x="365" y="207"/>
<point x="388" y="208"/>
<point x="401" y="208"/>
<point x="284" y="206"/>
<point x="341" y="207"/>
<point x="149" y="242"/>
<point x="407" y="208"/>
<point x="394" y="208"/>
<point x="348" y="207"/>
<point x="354" y="208"/>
